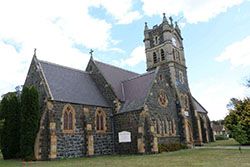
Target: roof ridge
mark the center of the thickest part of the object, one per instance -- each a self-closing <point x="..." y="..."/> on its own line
<point x="63" y="66"/>
<point x="138" y="76"/>
<point x="116" y="67"/>
<point x="199" y="103"/>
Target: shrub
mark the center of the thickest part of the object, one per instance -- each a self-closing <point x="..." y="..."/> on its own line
<point x="10" y="126"/>
<point x="29" y="121"/>
<point x="170" y="147"/>
<point x="221" y="137"/>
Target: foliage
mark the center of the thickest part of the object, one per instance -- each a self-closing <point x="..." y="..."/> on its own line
<point x="239" y="117"/>
<point x="29" y="121"/>
<point x="248" y="83"/>
<point x="221" y="137"/>
<point x="239" y="134"/>
<point x="10" y="132"/>
<point x="171" y="147"/>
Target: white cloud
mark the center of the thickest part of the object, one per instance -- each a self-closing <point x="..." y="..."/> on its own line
<point x="137" y="56"/>
<point x="121" y="10"/>
<point x="54" y="28"/>
<point x="238" y="53"/>
<point x="214" y="94"/>
<point x="193" y="10"/>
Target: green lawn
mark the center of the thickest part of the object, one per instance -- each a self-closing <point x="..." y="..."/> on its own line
<point x="229" y="142"/>
<point x="191" y="157"/>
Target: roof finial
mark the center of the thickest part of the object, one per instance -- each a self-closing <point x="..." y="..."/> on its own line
<point x="34" y="51"/>
<point x="91" y="52"/>
<point x="171" y="21"/>
<point x="164" y="18"/>
<point x="176" y="24"/>
<point x="146" y="26"/>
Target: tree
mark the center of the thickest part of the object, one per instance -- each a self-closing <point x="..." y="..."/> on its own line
<point x="29" y="121"/>
<point x="10" y="131"/>
<point x="239" y="134"/>
<point x="239" y="118"/>
<point x="248" y="83"/>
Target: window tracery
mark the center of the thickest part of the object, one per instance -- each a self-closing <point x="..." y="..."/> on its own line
<point x="68" y="119"/>
<point x="100" y="120"/>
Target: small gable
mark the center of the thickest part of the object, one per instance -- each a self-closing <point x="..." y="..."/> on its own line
<point x="114" y="76"/>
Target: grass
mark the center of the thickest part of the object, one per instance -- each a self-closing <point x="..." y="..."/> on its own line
<point x="191" y="157"/>
<point x="229" y="142"/>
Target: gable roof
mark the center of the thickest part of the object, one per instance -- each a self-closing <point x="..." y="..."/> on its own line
<point x="71" y="85"/>
<point x="114" y="76"/>
<point x="136" y="90"/>
<point x="198" y="106"/>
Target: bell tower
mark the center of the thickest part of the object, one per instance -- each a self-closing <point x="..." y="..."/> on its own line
<point x="164" y="47"/>
<point x="163" y="44"/>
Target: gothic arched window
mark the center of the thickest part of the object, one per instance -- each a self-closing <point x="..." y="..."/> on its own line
<point x="65" y="121"/>
<point x="186" y="102"/>
<point x="173" y="127"/>
<point x="68" y="119"/>
<point x="162" y="55"/>
<point x="154" y="57"/>
<point x="166" y="127"/>
<point x="170" y="127"/>
<point x="173" y="52"/>
<point x="100" y="120"/>
<point x="157" y="127"/>
<point x="181" y="77"/>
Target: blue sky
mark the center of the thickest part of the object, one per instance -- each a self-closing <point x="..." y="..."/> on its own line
<point x="216" y="40"/>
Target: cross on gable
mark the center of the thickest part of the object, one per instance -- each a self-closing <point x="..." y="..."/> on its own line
<point x="91" y="52"/>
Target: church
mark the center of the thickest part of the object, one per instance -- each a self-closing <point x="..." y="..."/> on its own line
<point x="109" y="110"/>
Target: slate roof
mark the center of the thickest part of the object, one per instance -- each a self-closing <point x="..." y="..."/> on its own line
<point x="135" y="90"/>
<point x="71" y="85"/>
<point x="198" y="106"/>
<point x="114" y="76"/>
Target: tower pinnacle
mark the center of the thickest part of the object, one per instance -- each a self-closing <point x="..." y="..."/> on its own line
<point x="171" y="21"/>
<point x="164" y="18"/>
<point x="146" y="26"/>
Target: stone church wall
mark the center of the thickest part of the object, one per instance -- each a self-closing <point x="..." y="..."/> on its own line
<point x="127" y="121"/>
<point x="104" y="142"/>
<point x="75" y="144"/>
<point x="157" y="111"/>
<point x="69" y="144"/>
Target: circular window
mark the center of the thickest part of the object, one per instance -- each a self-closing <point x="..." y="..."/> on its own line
<point x="162" y="98"/>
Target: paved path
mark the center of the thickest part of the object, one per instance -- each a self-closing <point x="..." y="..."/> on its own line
<point x="223" y="147"/>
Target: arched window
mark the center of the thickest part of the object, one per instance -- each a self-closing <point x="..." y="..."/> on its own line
<point x="173" y="52"/>
<point x="170" y="127"/>
<point x="181" y="77"/>
<point x="173" y="127"/>
<point x="156" y="40"/>
<point x="100" y="120"/>
<point x="68" y="119"/>
<point x="154" y="57"/>
<point x="158" y="127"/>
<point x="162" y="55"/>
<point x="186" y="102"/>
<point x="166" y="127"/>
<point x="178" y="56"/>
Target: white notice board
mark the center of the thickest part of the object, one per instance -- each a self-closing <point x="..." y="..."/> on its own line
<point x="124" y="137"/>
